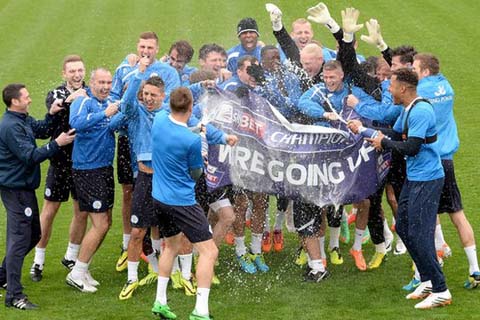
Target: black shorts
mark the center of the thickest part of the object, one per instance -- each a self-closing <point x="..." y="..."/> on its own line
<point x="201" y="193"/>
<point x="282" y="203"/>
<point x="221" y="198"/>
<point x="190" y="220"/>
<point x="450" y="199"/>
<point x="397" y="173"/>
<point x="334" y="217"/>
<point x="215" y="200"/>
<point x="124" y="161"/>
<point x="95" y="189"/>
<point x="59" y="184"/>
<point x="143" y="210"/>
<point x="307" y="218"/>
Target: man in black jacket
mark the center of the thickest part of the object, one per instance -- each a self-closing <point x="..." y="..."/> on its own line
<point x="19" y="177"/>
<point x="58" y="181"/>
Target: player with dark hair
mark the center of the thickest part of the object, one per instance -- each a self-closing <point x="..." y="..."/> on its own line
<point x="415" y="136"/>
<point x="139" y="113"/>
<point x="213" y="57"/>
<point x="179" y="55"/>
<point x="20" y="160"/>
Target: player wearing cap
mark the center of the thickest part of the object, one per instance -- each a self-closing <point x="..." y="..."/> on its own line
<point x="247" y="33"/>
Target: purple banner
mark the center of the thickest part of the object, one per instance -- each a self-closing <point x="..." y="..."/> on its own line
<point x="319" y="164"/>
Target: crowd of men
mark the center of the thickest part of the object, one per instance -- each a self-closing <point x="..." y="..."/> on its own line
<point x="401" y="102"/>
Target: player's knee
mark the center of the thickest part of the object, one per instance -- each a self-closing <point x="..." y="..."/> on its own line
<point x="227" y="216"/>
<point x="137" y="234"/>
<point x="211" y="253"/>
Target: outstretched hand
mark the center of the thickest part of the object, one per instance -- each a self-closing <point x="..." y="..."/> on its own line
<point x="374" y="35"/>
<point x="320" y="14"/>
<point x="349" y="23"/>
<point x="275" y="16"/>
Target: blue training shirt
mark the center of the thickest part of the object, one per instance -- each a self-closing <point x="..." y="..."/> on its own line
<point x="426" y="164"/>
<point x="438" y="91"/>
<point x="176" y="151"/>
<point x="239" y="51"/>
<point x="94" y="145"/>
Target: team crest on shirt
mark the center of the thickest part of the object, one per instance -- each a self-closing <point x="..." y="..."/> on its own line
<point x="28" y="211"/>
<point x="97" y="204"/>
<point x="134" y="219"/>
<point x="48" y="192"/>
<point x="185" y="77"/>
<point x="441" y="91"/>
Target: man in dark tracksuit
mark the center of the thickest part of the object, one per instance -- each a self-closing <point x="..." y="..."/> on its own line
<point x="19" y="177"/>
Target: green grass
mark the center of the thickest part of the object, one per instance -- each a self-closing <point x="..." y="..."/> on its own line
<point x="36" y="35"/>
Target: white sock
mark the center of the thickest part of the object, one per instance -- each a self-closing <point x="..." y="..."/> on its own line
<point x="439" y="240"/>
<point x="387" y="233"/>
<point x="186" y="265"/>
<point x="125" y="241"/>
<point x="153" y="261"/>
<point x="256" y="245"/>
<point x="79" y="270"/>
<point x="322" y="247"/>
<point x="240" y="248"/>
<point x="72" y="251"/>
<point x="175" y="266"/>
<point x="334" y="236"/>
<point x="162" y="284"/>
<point x="266" y="224"/>
<point x="380" y="248"/>
<point x="157" y="244"/>
<point x="132" y="270"/>
<point x="316" y="265"/>
<point x="357" y="245"/>
<point x="279" y="218"/>
<point x="471" y="253"/>
<point x="201" y="305"/>
<point x="39" y="257"/>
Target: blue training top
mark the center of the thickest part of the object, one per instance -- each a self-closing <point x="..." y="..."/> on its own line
<point x="239" y="51"/>
<point x="426" y="164"/>
<point x="176" y="151"/>
<point x="438" y="91"/>
<point x="94" y="145"/>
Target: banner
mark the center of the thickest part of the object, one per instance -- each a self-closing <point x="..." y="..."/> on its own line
<point x="322" y="165"/>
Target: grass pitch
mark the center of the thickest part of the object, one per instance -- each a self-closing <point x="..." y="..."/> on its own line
<point x="36" y="35"/>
